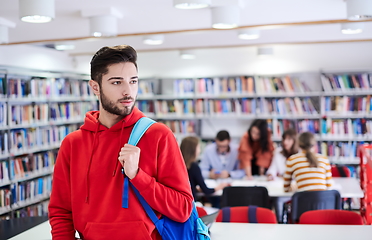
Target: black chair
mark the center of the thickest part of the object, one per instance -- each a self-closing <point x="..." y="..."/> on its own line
<point x="245" y="196"/>
<point x="314" y="200"/>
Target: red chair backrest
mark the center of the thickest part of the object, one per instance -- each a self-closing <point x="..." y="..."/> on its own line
<point x="246" y="214"/>
<point x="331" y="216"/>
<point x="340" y="171"/>
<point x="201" y="211"/>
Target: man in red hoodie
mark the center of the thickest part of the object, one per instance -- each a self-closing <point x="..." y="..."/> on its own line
<point x="88" y="180"/>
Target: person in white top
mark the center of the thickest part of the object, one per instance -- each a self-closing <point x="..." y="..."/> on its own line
<point x="289" y="146"/>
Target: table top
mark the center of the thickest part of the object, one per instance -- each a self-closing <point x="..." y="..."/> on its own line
<point x="348" y="187"/>
<point x="12" y="227"/>
<point x="223" y="231"/>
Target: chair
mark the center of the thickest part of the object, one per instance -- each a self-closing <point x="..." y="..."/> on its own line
<point x="248" y="214"/>
<point x="342" y="171"/>
<point x="331" y="216"/>
<point x="245" y="196"/>
<point x="313" y="200"/>
<point x="201" y="211"/>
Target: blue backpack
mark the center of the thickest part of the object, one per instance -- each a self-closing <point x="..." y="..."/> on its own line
<point x="193" y="228"/>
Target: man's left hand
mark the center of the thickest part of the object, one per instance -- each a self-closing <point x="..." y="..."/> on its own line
<point x="129" y="159"/>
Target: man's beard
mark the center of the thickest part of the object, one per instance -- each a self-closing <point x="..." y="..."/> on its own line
<point x="110" y="106"/>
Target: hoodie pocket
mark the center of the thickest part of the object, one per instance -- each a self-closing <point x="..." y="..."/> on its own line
<point x="116" y="231"/>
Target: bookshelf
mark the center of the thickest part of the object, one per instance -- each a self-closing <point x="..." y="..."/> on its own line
<point x="202" y="106"/>
<point x="37" y="110"/>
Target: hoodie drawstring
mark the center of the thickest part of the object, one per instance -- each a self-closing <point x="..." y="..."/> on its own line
<point x="90" y="162"/>
<point x="120" y="145"/>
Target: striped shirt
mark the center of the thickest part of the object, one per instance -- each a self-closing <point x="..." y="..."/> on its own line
<point x="307" y="178"/>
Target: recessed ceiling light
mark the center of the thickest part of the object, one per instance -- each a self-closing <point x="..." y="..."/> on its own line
<point x="191" y="4"/>
<point x="63" y="47"/>
<point x="249" y="34"/>
<point x="186" y="54"/>
<point x="155" y="39"/>
<point x="359" y="9"/>
<point x="103" y="26"/>
<point x="36" y="11"/>
<point x="225" y="17"/>
<point x="352" y="27"/>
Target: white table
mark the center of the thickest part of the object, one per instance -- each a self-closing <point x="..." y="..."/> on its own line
<point x="40" y="232"/>
<point x="223" y="231"/>
<point x="348" y="187"/>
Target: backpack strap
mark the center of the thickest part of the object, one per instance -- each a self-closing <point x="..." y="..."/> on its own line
<point x="252" y="214"/>
<point x="138" y="130"/>
<point x="148" y="210"/>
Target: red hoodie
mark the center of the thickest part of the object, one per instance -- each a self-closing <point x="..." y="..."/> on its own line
<point x="88" y="183"/>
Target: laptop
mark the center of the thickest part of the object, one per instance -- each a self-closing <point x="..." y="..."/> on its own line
<point x="209" y="219"/>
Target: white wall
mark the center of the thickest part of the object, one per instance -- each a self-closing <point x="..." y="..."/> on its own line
<point x="37" y="58"/>
<point x="341" y="57"/>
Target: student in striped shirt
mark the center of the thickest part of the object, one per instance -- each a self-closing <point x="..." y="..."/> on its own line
<point x="311" y="171"/>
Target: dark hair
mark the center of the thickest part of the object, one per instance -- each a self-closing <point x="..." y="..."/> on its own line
<point x="107" y="56"/>
<point x="188" y="149"/>
<point x="306" y="141"/>
<point x="291" y="133"/>
<point x="262" y="126"/>
<point x="223" y="135"/>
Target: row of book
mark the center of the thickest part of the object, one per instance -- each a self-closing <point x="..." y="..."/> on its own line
<point x="48" y="88"/>
<point x="281" y="107"/>
<point x="28" y="114"/>
<point x="43" y="113"/>
<point x="24" y="192"/>
<point x="278" y="126"/>
<point x="27" y="167"/>
<point x="36" y="210"/>
<point x="3" y="114"/>
<point x="239" y="85"/>
<point x="71" y="110"/>
<point x="346" y="82"/>
<point x="346" y="127"/>
<point x="346" y="105"/>
<point x="181" y="127"/>
<point x="2" y="86"/>
<point x="146" y="88"/>
<point x="339" y="149"/>
<point x="288" y="106"/>
<point x="32" y="139"/>
<point x="146" y="106"/>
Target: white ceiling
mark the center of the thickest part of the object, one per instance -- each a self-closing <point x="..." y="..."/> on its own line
<point x="295" y="23"/>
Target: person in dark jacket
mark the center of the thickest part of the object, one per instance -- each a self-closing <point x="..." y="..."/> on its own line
<point x="190" y="149"/>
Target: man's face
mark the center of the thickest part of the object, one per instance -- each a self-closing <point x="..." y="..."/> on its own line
<point x="222" y="146"/>
<point x="119" y="89"/>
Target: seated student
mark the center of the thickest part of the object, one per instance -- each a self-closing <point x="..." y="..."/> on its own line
<point x="278" y="165"/>
<point x="256" y="149"/>
<point x="190" y="149"/>
<point x="311" y="171"/>
<point x="220" y="159"/>
<point x="288" y="147"/>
